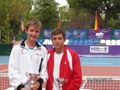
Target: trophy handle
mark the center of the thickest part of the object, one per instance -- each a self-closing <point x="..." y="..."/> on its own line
<point x="61" y="82"/>
<point x="66" y="80"/>
<point x="27" y="74"/>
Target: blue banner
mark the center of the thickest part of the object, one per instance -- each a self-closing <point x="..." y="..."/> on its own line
<point x="70" y="34"/>
<point x="76" y="33"/>
<point x="117" y="34"/>
<point x="47" y="33"/>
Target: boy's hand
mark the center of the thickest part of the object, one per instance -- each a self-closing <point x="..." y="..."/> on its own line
<point x="16" y="43"/>
<point x="23" y="89"/>
<point x="43" y="85"/>
<point x="35" y="86"/>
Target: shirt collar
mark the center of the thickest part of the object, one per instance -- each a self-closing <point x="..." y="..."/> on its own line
<point x="23" y="44"/>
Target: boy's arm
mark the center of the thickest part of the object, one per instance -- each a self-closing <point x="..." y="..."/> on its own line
<point x="14" y="77"/>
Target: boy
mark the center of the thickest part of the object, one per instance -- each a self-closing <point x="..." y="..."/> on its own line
<point x="63" y="63"/>
<point x="27" y="63"/>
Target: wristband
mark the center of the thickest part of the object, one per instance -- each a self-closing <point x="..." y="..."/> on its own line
<point x="40" y="80"/>
<point x="20" y="86"/>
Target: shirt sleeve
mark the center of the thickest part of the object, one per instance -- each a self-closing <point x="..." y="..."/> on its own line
<point x="13" y="74"/>
<point x="76" y="79"/>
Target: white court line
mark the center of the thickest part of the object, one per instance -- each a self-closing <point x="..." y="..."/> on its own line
<point x="3" y="70"/>
<point x="83" y="85"/>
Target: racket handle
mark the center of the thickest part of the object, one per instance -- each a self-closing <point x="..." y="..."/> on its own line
<point x="32" y="82"/>
<point x="43" y="88"/>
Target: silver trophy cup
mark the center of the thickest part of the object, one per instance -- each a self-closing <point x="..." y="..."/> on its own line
<point x="32" y="77"/>
<point x="61" y="82"/>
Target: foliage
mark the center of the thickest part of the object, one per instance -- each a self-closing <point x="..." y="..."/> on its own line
<point x="78" y="14"/>
<point x="6" y="31"/>
<point x="11" y="12"/>
<point x="46" y="11"/>
<point x="114" y="24"/>
<point x="108" y="8"/>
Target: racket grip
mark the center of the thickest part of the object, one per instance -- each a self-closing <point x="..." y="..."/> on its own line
<point x="43" y="88"/>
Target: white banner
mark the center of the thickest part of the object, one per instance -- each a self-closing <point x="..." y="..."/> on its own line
<point x="99" y="49"/>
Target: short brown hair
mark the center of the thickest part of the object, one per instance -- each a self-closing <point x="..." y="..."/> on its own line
<point x="58" y="31"/>
<point x="34" y="22"/>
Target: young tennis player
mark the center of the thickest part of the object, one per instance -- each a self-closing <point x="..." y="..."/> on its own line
<point x="28" y="60"/>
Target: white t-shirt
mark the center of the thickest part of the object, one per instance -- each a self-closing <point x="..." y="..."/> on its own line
<point x="57" y="61"/>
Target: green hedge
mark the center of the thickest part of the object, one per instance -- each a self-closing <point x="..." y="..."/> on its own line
<point x="5" y="49"/>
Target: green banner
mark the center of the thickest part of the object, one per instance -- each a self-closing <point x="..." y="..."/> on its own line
<point x="5" y="49"/>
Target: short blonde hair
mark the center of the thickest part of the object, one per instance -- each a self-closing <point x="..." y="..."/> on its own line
<point x="34" y="22"/>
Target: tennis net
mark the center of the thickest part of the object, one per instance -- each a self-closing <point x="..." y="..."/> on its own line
<point x="101" y="82"/>
<point x="89" y="82"/>
<point x="4" y="81"/>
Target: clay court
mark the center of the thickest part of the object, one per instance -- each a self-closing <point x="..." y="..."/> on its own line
<point x="97" y="75"/>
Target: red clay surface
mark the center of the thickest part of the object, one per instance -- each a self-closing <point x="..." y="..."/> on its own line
<point x="4" y="82"/>
<point x="3" y="68"/>
<point x="86" y="71"/>
<point x="100" y="71"/>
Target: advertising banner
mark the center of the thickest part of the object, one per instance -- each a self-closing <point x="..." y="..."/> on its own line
<point x="94" y="50"/>
<point x="100" y="34"/>
<point x="70" y="33"/>
<point x="76" y="33"/>
<point x="117" y="34"/>
<point x="47" y="33"/>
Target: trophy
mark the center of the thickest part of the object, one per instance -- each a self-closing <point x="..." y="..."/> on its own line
<point x="61" y="82"/>
<point x="32" y="77"/>
<point x="33" y="74"/>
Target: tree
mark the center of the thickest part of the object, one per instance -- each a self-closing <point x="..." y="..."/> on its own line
<point x="108" y="8"/>
<point x="6" y="31"/>
<point x="65" y="16"/>
<point x="75" y="18"/>
<point x="46" y="11"/>
<point x="10" y="14"/>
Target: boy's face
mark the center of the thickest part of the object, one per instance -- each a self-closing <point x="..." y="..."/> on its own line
<point x="58" y="41"/>
<point x="33" y="33"/>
